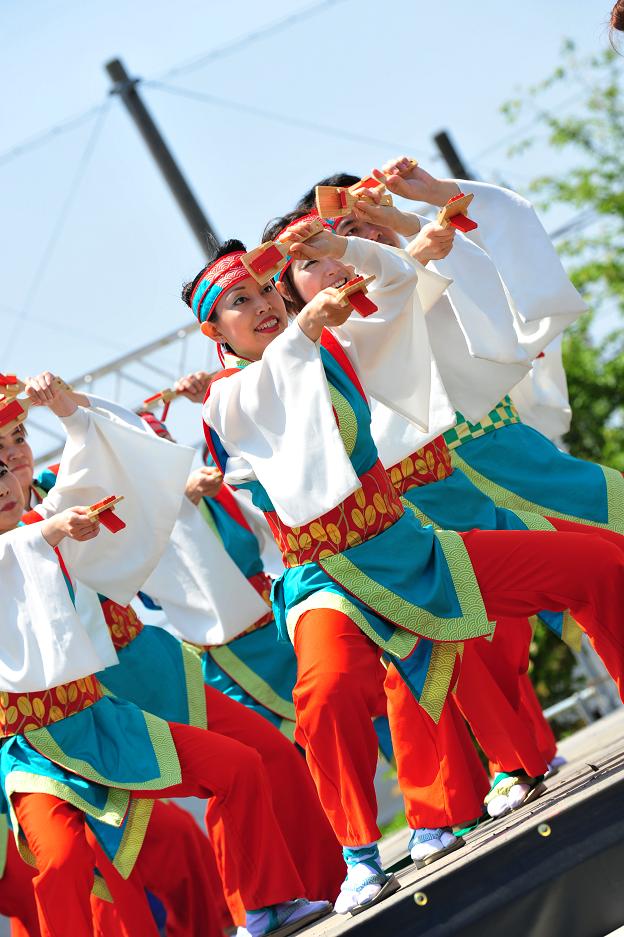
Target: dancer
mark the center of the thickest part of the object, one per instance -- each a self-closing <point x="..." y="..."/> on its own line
<point x="272" y="420"/>
<point x="185" y="759"/>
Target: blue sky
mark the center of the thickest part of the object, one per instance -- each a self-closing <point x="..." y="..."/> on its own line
<point x="111" y="280"/>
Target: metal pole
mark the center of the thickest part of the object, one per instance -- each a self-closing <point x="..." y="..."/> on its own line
<point x="450" y="155"/>
<point x="126" y="88"/>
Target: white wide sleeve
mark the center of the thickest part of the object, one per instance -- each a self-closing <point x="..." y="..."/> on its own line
<point x="541" y="398"/>
<point x="206" y="598"/>
<point x="513" y="236"/>
<point x="276" y="422"/>
<point x="106" y="456"/>
<point x="43" y="642"/>
<point x="480" y="303"/>
<point x="390" y="348"/>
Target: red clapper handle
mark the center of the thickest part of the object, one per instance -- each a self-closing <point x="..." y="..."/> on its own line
<point x="111" y="521"/>
<point x="463" y="223"/>
<point x="362" y="304"/>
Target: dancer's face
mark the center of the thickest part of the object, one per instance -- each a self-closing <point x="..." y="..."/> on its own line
<point x="11" y="500"/>
<point x="248" y="317"/>
<point x="17" y="455"/>
<point x="350" y="226"/>
<point x="311" y="276"/>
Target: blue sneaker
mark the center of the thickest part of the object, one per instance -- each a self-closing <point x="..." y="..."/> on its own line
<point x="279" y="920"/>
<point x="366" y="883"/>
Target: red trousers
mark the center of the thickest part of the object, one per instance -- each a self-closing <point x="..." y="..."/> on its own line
<point x="488" y="693"/>
<point x="255" y="861"/>
<point x="17" y="898"/>
<point x="176" y="865"/>
<point x="300" y="816"/>
<point x="519" y="573"/>
<point x="495" y="692"/>
<point x="335" y="696"/>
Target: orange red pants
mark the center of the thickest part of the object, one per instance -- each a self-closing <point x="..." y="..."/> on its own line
<point x="519" y="572"/>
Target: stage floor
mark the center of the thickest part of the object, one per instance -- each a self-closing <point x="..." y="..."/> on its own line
<point x="510" y="879"/>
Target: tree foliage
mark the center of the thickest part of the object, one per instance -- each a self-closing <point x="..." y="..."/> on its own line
<point x="589" y="145"/>
<point x="586" y="132"/>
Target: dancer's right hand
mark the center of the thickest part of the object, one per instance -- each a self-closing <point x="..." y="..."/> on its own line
<point x="324" y="310"/>
<point x="73" y="523"/>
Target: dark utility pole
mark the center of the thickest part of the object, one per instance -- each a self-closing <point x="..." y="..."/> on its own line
<point x="450" y="156"/>
<point x="126" y="88"/>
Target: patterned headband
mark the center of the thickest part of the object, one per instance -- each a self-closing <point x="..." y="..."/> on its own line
<point x="220" y="276"/>
<point x="311" y="216"/>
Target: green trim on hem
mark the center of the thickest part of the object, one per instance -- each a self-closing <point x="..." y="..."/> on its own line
<point x="473" y="621"/>
<point x="251" y="682"/>
<point x="139" y="813"/>
<point x="162" y="745"/>
<point x="25" y="782"/>
<point x="438" y="679"/>
<point x="194" y="679"/>
<point x="505" y="498"/>
<point x="100" y="889"/>
<point x="533" y="520"/>
<point x="401" y="644"/>
<point x="418" y="514"/>
<point x="119" y="805"/>
<point x="4" y="842"/>
<point x="287" y="728"/>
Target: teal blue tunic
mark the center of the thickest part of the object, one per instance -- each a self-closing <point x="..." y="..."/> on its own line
<point x="519" y="468"/>
<point x="254" y="669"/>
<point x="434" y="596"/>
<point x="160" y="675"/>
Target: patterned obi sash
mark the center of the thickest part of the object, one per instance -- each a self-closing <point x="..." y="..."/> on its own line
<point x="430" y="464"/>
<point x="23" y="712"/>
<point x="503" y="414"/>
<point x="123" y="623"/>
<point x="367" y="512"/>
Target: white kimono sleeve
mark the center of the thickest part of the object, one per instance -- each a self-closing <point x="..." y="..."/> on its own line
<point x="43" y="642"/>
<point x="390" y="349"/>
<point x="541" y="398"/>
<point x="203" y="593"/>
<point x="105" y="456"/>
<point x="480" y="303"/>
<point x="276" y="422"/>
<point x="529" y="266"/>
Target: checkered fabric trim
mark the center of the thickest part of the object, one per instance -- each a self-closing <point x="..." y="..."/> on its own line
<point x="503" y="414"/>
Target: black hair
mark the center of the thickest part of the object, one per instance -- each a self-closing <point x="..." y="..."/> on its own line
<point x="294" y="304"/>
<point x="345" y="179"/>
<point x="3" y="465"/>
<point x="219" y="250"/>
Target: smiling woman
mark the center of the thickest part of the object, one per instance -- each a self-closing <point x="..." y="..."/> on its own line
<point x="233" y="309"/>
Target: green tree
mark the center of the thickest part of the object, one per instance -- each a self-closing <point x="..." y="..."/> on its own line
<point x="589" y="144"/>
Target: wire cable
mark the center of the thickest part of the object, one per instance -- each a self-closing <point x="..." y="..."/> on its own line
<point x="44" y="136"/>
<point x="262" y="32"/>
<point x="289" y="121"/>
<point x="236" y="45"/>
<point x="57" y="230"/>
